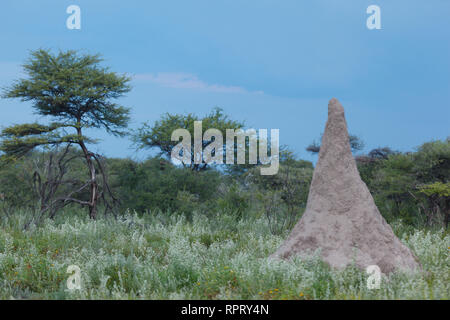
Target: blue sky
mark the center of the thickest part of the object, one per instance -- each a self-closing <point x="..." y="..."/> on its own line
<point x="274" y="64"/>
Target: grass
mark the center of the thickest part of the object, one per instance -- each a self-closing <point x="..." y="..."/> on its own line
<point x="165" y="257"/>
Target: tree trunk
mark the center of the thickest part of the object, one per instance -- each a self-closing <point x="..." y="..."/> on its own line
<point x="94" y="191"/>
<point x="94" y="186"/>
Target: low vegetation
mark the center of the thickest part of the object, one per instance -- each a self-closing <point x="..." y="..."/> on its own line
<point x="161" y="256"/>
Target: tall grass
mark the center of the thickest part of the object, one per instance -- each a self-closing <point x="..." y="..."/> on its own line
<point x="158" y="256"/>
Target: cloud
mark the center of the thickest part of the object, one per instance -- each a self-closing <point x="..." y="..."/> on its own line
<point x="188" y="81"/>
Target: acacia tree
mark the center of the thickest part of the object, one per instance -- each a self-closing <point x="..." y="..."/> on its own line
<point x="159" y="134"/>
<point x="77" y="93"/>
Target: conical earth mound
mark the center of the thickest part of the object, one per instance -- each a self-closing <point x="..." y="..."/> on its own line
<point x="341" y="217"/>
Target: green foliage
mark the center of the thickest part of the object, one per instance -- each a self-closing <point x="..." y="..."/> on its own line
<point x="410" y="185"/>
<point x="369" y="164"/>
<point x="74" y="88"/>
<point x="432" y="161"/>
<point x="16" y="188"/>
<point x="19" y="140"/>
<point x="438" y="188"/>
<point x="159" y="134"/>
<point x="187" y="203"/>
<point x="283" y="196"/>
<point x="396" y="177"/>
<point x="233" y="201"/>
<point x="156" y="184"/>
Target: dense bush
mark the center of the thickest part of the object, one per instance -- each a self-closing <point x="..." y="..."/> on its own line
<point x="40" y="177"/>
<point x="282" y="197"/>
<point x="157" y="184"/>
<point x="410" y="185"/>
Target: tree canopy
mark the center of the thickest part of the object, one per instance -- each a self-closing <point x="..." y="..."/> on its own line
<point x="159" y="134"/>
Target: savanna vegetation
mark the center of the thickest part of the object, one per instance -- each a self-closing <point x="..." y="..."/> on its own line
<point x="152" y="229"/>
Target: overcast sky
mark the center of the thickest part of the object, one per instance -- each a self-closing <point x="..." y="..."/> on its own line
<point x="274" y="64"/>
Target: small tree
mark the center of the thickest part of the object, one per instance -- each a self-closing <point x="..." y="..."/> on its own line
<point x="77" y="92"/>
<point x="356" y="144"/>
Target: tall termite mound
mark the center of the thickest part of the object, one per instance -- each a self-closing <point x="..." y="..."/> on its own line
<point x="341" y="217"/>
